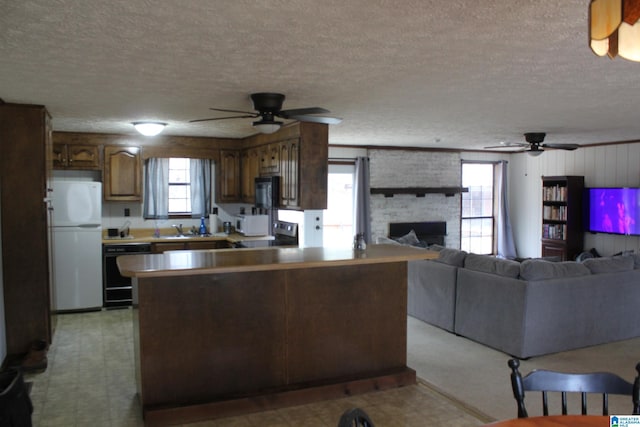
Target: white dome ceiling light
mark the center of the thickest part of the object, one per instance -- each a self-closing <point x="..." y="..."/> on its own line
<point x="149" y="128"/>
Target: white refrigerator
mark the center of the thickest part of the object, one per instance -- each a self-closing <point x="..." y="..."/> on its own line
<point x="77" y="244"/>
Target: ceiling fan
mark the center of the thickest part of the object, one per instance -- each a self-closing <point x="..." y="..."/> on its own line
<point x="268" y="107"/>
<point x="535" y="144"/>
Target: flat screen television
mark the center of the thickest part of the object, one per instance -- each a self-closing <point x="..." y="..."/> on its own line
<point x="613" y="210"/>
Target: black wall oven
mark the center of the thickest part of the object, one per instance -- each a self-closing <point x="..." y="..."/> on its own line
<point x="116" y="287"/>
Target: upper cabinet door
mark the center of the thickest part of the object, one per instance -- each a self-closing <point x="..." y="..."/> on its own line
<point x="229" y="177"/>
<point x="76" y="156"/>
<point x="122" y="173"/>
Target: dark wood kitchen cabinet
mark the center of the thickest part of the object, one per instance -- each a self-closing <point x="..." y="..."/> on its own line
<point x="313" y="166"/>
<point x="25" y="169"/>
<point x="249" y="169"/>
<point x="270" y="159"/>
<point x="122" y="175"/>
<point x="289" y="174"/>
<point x="229" y="177"/>
<point x="81" y="157"/>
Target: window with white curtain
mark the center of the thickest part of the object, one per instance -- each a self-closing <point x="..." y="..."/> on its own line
<point x="338" y="217"/>
<point x="478" y="214"/>
<point x="177" y="187"/>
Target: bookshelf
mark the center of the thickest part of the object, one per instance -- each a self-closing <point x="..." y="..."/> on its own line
<point x="562" y="233"/>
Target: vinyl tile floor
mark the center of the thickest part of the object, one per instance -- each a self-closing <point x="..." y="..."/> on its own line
<point x="90" y="381"/>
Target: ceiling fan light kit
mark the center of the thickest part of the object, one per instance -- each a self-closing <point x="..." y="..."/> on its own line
<point x="267" y="127"/>
<point x="149" y="128"/>
<point x="614" y="28"/>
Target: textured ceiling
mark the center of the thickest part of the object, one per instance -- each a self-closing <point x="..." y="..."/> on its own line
<point x="432" y="73"/>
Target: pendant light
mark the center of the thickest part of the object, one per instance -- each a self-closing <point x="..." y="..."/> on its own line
<point x="614" y="29"/>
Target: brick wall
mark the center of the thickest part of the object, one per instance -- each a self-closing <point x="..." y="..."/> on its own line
<point x="407" y="168"/>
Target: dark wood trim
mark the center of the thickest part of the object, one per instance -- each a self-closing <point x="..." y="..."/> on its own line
<point x="418" y="191"/>
<point x="165" y="416"/>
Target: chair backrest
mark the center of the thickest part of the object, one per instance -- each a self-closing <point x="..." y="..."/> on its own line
<point x="604" y="383"/>
<point x="355" y="417"/>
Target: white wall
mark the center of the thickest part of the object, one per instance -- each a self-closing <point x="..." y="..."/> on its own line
<point x="606" y="166"/>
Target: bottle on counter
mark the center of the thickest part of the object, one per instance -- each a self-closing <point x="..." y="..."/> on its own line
<point x="358" y="242"/>
<point x="203" y="227"/>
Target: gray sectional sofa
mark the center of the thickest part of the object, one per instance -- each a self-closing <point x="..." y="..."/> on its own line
<point x="530" y="308"/>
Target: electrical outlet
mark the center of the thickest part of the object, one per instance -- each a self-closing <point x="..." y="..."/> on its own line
<point x="127" y="212"/>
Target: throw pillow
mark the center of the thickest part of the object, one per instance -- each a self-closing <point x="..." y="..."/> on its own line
<point x="381" y="240"/>
<point x="537" y="269"/>
<point x="609" y="264"/>
<point x="408" y="239"/>
<point x="493" y="265"/>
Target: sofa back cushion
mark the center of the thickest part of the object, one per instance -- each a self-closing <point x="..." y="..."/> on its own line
<point x="609" y="264"/>
<point x="450" y="256"/>
<point x="538" y="269"/>
<point x="490" y="264"/>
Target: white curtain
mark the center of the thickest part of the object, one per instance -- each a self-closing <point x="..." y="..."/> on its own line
<point x="361" y="196"/>
<point x="156" y="194"/>
<point x="156" y="189"/>
<point x="200" y="187"/>
<point x="506" y="244"/>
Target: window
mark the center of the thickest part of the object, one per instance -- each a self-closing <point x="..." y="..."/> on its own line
<point x="477" y="217"/>
<point x="338" y="217"/>
<point x="179" y="186"/>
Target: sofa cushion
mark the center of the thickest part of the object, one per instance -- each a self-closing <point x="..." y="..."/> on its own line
<point x="453" y="257"/>
<point x="537" y="269"/>
<point x="635" y="258"/>
<point x="609" y="264"/>
<point x="490" y="264"/>
<point x="408" y="239"/>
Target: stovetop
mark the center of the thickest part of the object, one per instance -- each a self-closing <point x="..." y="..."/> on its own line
<point x="284" y="233"/>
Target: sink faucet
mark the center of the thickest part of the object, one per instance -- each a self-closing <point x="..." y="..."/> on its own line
<point x="179" y="229"/>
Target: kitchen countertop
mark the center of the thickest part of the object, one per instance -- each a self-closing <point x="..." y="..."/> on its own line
<point x="145" y="235"/>
<point x="181" y="263"/>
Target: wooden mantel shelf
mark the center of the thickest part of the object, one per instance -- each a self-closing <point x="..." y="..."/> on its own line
<point x="418" y="191"/>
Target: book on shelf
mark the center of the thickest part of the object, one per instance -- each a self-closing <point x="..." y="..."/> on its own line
<point x="554" y="193"/>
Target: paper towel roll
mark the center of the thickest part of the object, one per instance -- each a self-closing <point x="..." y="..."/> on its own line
<point x="213" y="223"/>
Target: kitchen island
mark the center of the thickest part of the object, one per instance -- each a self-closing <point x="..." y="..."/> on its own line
<point x="224" y="332"/>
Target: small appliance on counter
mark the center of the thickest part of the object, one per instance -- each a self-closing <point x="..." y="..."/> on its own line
<point x="252" y="225"/>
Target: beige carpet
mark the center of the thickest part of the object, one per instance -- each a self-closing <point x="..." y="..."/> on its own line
<point x="479" y="376"/>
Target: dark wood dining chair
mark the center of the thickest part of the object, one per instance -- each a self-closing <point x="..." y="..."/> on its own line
<point x="604" y="383"/>
<point x="355" y="417"/>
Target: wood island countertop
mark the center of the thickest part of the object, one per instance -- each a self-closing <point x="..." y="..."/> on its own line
<point x="180" y="263"/>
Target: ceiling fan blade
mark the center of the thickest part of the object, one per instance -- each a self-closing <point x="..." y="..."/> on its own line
<point x="235" y="111"/>
<point x="570" y="147"/>
<point x="316" y="119"/>
<point x="285" y="114"/>
<point x="509" y="145"/>
<point x="222" y="118"/>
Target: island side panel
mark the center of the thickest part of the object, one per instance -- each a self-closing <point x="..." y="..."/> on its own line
<point x="346" y="322"/>
<point x="208" y="337"/>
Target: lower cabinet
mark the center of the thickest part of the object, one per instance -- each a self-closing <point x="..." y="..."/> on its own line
<point x="160" y="247"/>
